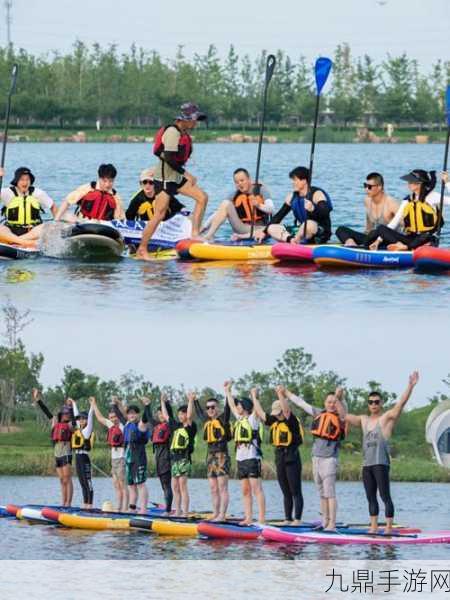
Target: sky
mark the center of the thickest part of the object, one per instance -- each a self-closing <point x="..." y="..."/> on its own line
<point x="375" y="27"/>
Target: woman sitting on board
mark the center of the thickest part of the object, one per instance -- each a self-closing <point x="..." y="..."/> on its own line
<point x="309" y="204"/>
<point x="63" y="425"/>
<point x="23" y="205"/>
<point x="141" y="205"/>
<point x="418" y="214"/>
<point x="380" y="210"/>
<point x="241" y="208"/>
<point x="377" y="429"/>
<point x="96" y="200"/>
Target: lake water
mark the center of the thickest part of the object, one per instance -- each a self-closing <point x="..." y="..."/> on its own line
<point x="421" y="505"/>
<point x="244" y="315"/>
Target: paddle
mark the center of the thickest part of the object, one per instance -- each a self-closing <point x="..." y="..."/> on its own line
<point x="322" y="69"/>
<point x="441" y="204"/>
<point x="12" y="89"/>
<point x="270" y="66"/>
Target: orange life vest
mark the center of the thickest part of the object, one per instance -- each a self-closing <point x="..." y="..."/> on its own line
<point x="244" y="208"/>
<point x="328" y="426"/>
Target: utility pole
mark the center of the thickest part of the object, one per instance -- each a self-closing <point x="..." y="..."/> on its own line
<point x="8" y="8"/>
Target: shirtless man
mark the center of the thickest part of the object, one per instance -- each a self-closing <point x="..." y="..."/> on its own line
<point x="380" y="210"/>
<point x="377" y="429"/>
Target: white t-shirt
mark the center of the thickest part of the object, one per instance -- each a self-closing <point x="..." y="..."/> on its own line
<point x="42" y="197"/>
<point x="118" y="452"/>
<point x="248" y="451"/>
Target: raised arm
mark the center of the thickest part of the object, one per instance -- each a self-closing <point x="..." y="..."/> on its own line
<point x="281" y="395"/>
<point x="119" y="409"/>
<point x="394" y="413"/>
<point x="100" y="418"/>
<point x="229" y="398"/>
<point x="164" y="411"/>
<point x="340" y="403"/>
<point x="143" y="424"/>
<point x="354" y="420"/>
<point x="191" y="396"/>
<point x="199" y="410"/>
<point x="299" y="402"/>
<point x="257" y="405"/>
<point x="87" y="431"/>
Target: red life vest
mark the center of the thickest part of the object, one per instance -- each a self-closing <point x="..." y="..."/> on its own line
<point x="115" y="437"/>
<point x="184" y="146"/>
<point x="161" y="433"/>
<point x="98" y="205"/>
<point x="62" y="432"/>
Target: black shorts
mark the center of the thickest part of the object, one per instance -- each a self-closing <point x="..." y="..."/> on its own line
<point x="249" y="469"/>
<point x="62" y="461"/>
<point x="170" y="187"/>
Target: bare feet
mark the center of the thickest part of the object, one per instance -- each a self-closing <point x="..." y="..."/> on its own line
<point x="296" y="523"/>
<point x="222" y="517"/>
<point x="350" y="243"/>
<point x="142" y="254"/>
<point x="397" y="247"/>
<point x="245" y="522"/>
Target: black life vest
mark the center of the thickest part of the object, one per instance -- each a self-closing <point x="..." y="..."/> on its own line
<point x="97" y="204"/>
<point x="184" y="146"/>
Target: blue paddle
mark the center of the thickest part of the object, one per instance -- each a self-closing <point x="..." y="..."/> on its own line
<point x="322" y="70"/>
<point x="441" y="204"/>
<point x="12" y="89"/>
<point x="270" y="67"/>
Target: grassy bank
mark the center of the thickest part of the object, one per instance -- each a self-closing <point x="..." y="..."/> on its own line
<point x="28" y="452"/>
<point x="292" y="135"/>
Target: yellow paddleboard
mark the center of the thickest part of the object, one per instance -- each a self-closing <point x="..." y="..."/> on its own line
<point x="92" y="523"/>
<point x="222" y="252"/>
<point x="175" y="529"/>
<point x="166" y="254"/>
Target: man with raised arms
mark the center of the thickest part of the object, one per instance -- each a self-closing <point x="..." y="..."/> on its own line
<point x="377" y="429"/>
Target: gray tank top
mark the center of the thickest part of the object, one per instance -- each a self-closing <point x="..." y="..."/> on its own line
<point x="375" y="447"/>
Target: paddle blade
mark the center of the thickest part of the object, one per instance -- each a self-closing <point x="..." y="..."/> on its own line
<point x="14" y="78"/>
<point x="270" y="67"/>
<point x="447" y="105"/>
<point x="322" y="70"/>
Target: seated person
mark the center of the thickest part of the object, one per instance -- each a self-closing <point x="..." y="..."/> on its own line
<point x="380" y="210"/>
<point x="241" y="208"/>
<point x="141" y="205"/>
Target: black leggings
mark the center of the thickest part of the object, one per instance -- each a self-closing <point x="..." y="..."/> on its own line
<point x="166" y="484"/>
<point x="376" y="478"/>
<point x="412" y="241"/>
<point x="289" y="475"/>
<point x="84" y="473"/>
<point x="345" y="233"/>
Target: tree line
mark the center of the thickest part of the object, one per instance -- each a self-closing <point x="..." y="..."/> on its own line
<point x="140" y="88"/>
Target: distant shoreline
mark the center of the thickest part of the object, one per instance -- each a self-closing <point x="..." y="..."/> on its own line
<point x="325" y="135"/>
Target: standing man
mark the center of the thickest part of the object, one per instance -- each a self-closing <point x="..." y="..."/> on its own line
<point x="328" y="429"/>
<point x="217" y="434"/>
<point x="173" y="147"/>
<point x="377" y="428"/>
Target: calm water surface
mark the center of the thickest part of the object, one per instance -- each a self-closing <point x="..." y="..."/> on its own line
<point x="423" y="505"/>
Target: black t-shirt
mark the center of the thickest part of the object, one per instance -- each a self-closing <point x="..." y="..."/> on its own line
<point x="293" y="425"/>
<point x="140" y="198"/>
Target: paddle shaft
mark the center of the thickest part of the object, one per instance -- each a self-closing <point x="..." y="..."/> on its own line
<point x="441" y="203"/>
<point x="270" y="66"/>
<point x="7" y="116"/>
<point x="311" y="160"/>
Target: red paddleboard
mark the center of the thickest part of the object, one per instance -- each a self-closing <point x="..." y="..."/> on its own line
<point x="293" y="252"/>
<point x="223" y="531"/>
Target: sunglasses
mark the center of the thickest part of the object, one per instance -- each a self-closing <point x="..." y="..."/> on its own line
<point x="369" y="186"/>
<point x="376" y="402"/>
<point x="210" y="407"/>
<point x="147" y="181"/>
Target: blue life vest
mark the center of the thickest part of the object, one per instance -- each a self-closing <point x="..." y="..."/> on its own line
<point x="298" y="203"/>
<point x="133" y="435"/>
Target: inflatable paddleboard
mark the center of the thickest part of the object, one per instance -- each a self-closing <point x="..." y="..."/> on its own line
<point x="231" y="251"/>
<point x="94" y="239"/>
<point x="225" y="531"/>
<point x="167" y="234"/>
<point x="293" y="252"/>
<point x="429" y="259"/>
<point x="75" y="521"/>
<point x="12" y="252"/>
<point x="345" y="537"/>
<point x="343" y="257"/>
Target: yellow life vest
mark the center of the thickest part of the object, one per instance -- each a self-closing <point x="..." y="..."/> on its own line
<point x="79" y="442"/>
<point x="23" y="211"/>
<point x="180" y="440"/>
<point x="419" y="217"/>
<point x="214" y="431"/>
<point x="243" y="432"/>
<point x="281" y="435"/>
<point x="146" y="210"/>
